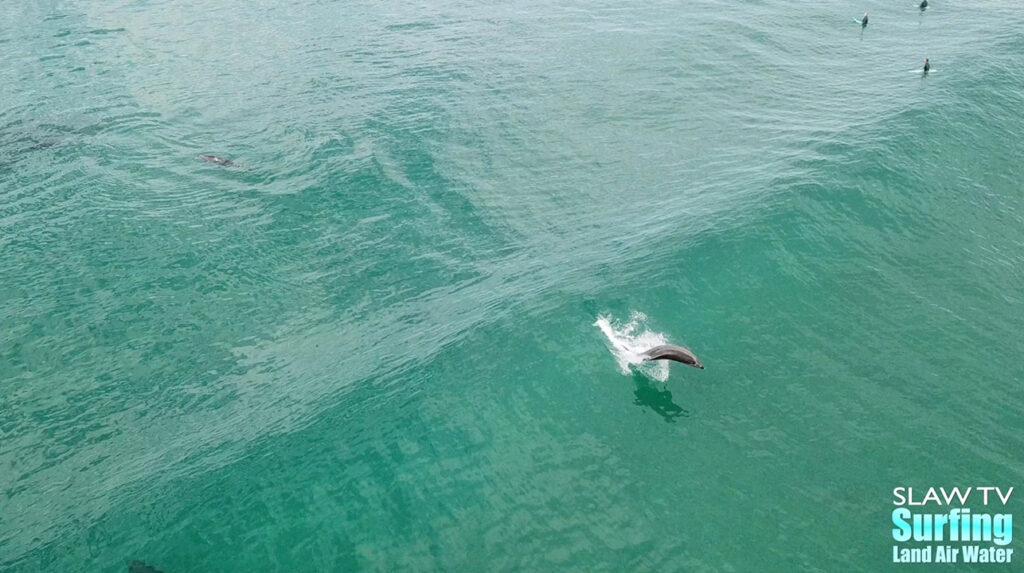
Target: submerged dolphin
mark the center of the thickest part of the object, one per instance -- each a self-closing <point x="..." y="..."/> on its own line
<point x="219" y="161"/>
<point x="137" y="566"/>
<point x="673" y="352"/>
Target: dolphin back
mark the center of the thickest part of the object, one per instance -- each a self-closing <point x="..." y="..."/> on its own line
<point x="137" y="566"/>
<point x="219" y="160"/>
<point x="672" y="352"/>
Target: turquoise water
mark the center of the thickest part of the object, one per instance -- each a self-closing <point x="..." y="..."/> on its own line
<point x="373" y="346"/>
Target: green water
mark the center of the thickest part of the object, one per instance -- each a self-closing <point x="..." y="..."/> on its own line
<point x="373" y="346"/>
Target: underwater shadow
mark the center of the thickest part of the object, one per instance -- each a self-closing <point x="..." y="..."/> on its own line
<point x="654" y="395"/>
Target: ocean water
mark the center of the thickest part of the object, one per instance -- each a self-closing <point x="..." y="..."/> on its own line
<point x="393" y="338"/>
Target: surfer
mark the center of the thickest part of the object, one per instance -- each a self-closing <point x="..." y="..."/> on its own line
<point x="924" y="4"/>
<point x="864" y="20"/>
<point x="672" y="352"/>
<point x="927" y="66"/>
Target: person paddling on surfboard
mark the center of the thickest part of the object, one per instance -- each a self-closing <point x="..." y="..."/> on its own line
<point x="927" y="66"/>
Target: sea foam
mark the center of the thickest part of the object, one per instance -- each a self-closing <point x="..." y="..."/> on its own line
<point x="628" y="341"/>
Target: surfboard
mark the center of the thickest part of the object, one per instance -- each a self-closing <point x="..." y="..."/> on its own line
<point x="921" y="71"/>
<point x="857" y="20"/>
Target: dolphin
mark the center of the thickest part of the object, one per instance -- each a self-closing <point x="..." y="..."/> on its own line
<point x="137" y="566"/>
<point x="673" y="352"/>
<point x="219" y="161"/>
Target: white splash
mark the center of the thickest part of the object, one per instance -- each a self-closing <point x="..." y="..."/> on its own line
<point x="629" y="341"/>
